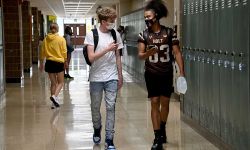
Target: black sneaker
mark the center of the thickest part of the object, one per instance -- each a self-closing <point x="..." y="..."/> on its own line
<point x="109" y="145"/>
<point x="97" y="135"/>
<point x="69" y="77"/>
<point x="157" y="145"/>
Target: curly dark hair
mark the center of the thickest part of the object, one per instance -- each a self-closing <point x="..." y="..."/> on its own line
<point x="67" y="30"/>
<point x="159" y="7"/>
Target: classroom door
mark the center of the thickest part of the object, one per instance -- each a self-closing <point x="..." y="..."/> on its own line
<point x="79" y="33"/>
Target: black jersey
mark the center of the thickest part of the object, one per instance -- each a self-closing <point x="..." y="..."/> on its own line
<point x="161" y="62"/>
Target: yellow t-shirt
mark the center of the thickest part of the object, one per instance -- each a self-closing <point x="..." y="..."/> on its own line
<point x="54" y="48"/>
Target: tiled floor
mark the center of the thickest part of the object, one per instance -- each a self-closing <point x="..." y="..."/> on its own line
<point x="28" y="123"/>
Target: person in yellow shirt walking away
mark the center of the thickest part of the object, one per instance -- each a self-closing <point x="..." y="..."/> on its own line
<point x="54" y="51"/>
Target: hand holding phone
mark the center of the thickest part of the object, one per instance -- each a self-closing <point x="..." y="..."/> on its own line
<point x="149" y="47"/>
<point x="152" y="49"/>
<point x="112" y="46"/>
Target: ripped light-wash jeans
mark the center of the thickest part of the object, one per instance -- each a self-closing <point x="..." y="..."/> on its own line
<point x="110" y="89"/>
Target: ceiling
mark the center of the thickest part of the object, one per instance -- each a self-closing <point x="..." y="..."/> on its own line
<point x="70" y="8"/>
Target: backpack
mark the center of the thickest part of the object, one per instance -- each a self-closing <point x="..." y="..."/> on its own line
<point x="96" y="38"/>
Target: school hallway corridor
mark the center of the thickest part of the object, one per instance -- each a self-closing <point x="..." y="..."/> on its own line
<point x="28" y="123"/>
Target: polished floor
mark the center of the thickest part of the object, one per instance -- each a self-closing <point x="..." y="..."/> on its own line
<point x="28" y="123"/>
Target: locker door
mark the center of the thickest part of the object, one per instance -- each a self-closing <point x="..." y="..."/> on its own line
<point x="230" y="93"/>
<point x="216" y="68"/>
<point x="194" y="62"/>
<point x="184" y="99"/>
<point x="200" y="45"/>
<point x="225" y="73"/>
<point x="202" y="69"/>
<point x="187" y="106"/>
<point x="209" y="68"/>
<point x="184" y="54"/>
<point x="192" y="67"/>
<point x="244" y="75"/>
<point x="236" y="74"/>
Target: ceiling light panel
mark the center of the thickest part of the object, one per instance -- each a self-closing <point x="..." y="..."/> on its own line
<point x="71" y="1"/>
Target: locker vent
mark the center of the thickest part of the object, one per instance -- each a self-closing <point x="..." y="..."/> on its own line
<point x="229" y="3"/>
<point x="222" y="4"/>
<point x="236" y="3"/>
<point x="216" y="4"/>
<point x="244" y="2"/>
<point x="196" y="7"/>
<point x="206" y="6"/>
<point x="185" y="10"/>
<point x="201" y="6"/>
<point x="211" y="5"/>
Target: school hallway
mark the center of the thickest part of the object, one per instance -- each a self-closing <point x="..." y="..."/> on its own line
<point x="28" y="123"/>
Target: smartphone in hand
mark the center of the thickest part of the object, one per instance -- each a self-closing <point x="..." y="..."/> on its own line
<point x="151" y="46"/>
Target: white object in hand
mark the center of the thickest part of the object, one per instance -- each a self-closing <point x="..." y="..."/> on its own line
<point x="181" y="84"/>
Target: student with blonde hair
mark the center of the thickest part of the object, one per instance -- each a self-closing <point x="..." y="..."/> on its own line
<point x="54" y="51"/>
<point x="105" y="74"/>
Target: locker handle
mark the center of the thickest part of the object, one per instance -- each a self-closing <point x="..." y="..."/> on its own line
<point x="226" y="53"/>
<point x="214" y="51"/>
<point x="233" y="53"/>
<point x="220" y="52"/>
<point x="241" y="54"/>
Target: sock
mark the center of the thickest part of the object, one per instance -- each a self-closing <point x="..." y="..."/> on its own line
<point x="163" y="125"/>
<point x="157" y="133"/>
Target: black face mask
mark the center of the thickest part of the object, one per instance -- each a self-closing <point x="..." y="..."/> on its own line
<point x="149" y="22"/>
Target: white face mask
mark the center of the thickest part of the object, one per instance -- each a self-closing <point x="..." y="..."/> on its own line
<point x="110" y="26"/>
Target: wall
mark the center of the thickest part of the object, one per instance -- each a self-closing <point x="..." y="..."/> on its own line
<point x="13" y="48"/>
<point x="169" y="21"/>
<point x="60" y="22"/>
<point x="2" y="80"/>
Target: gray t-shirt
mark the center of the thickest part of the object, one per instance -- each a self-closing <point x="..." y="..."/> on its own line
<point x="105" y="68"/>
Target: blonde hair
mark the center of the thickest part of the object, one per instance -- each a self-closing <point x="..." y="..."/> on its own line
<point x="53" y="27"/>
<point x="104" y="13"/>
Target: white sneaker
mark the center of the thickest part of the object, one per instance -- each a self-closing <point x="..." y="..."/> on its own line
<point x="54" y="102"/>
